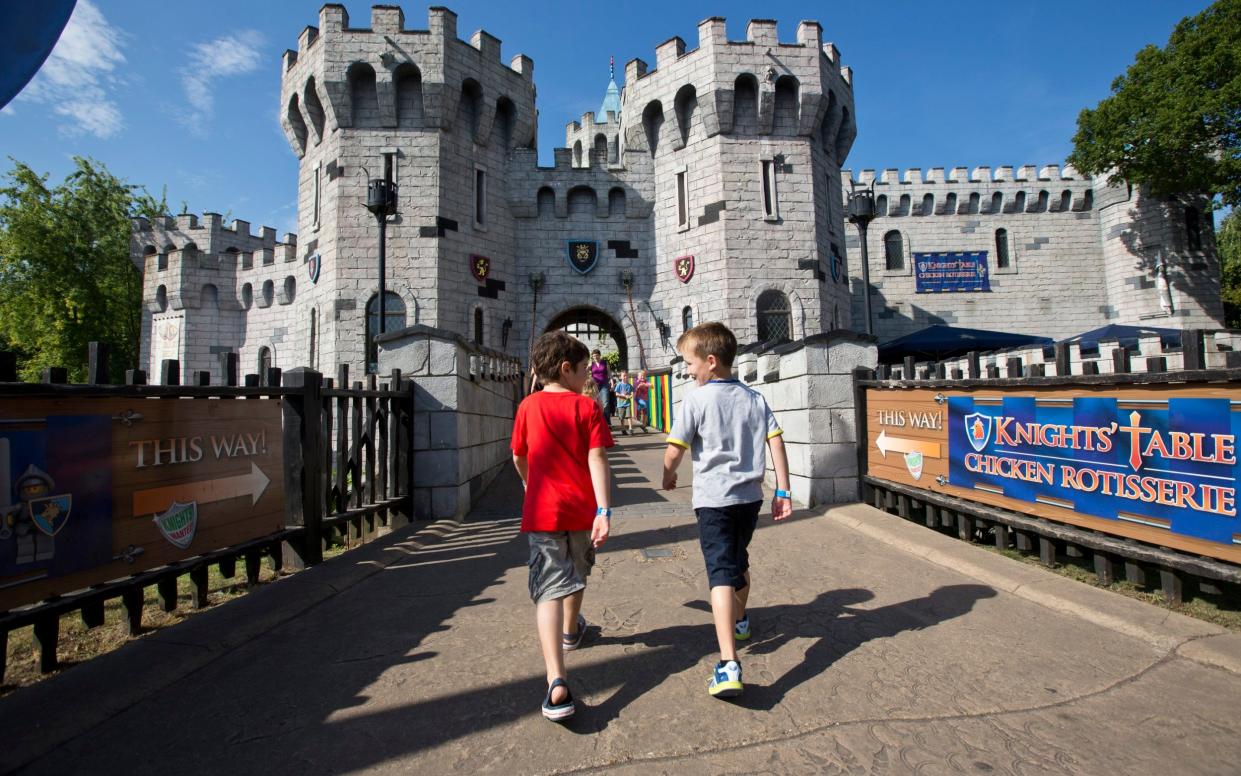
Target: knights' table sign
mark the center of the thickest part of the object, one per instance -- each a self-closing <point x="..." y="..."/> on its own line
<point x="1153" y="463"/>
<point x="93" y="490"/>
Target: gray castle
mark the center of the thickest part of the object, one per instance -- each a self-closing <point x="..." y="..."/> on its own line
<point x="709" y="188"/>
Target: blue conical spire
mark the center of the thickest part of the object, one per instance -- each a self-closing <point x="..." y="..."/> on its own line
<point x="611" y="100"/>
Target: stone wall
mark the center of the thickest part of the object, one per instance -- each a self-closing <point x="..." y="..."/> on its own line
<point x="465" y="398"/>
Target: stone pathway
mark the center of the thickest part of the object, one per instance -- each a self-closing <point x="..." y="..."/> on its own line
<point x="880" y="647"/>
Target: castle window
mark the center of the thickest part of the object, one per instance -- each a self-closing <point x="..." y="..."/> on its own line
<point x="577" y="153"/>
<point x="1043" y="200"/>
<point x="997" y="202"/>
<point x="582" y="201"/>
<point x="478" y="325"/>
<point x="881" y="205"/>
<point x="682" y="200"/>
<point x="745" y="105"/>
<point x="844" y="138"/>
<point x="653" y="123"/>
<point x="616" y="203"/>
<point x="161" y="299"/>
<point x="1002" y="260"/>
<point x="1193" y="229"/>
<point x="784" y="119"/>
<point x="827" y="129"/>
<point x="928" y="204"/>
<point x="950" y="205"/>
<point x="546" y="201"/>
<point x="1019" y="202"/>
<point x="318" y="178"/>
<point x="1066" y="201"/>
<point x="505" y="119"/>
<point x="264" y="364"/>
<point x="314" y="108"/>
<point x="771" y="202"/>
<point x="289" y="291"/>
<point x="394" y="319"/>
<point x="775" y="317"/>
<point x="161" y="261"/>
<point x="297" y="124"/>
<point x="974" y="203"/>
<point x="905" y="202"/>
<point x="686" y="105"/>
<point x="364" y="96"/>
<point x="687" y="318"/>
<point x="269" y="293"/>
<point x="211" y="297"/>
<point x="247" y="296"/>
<point x="480" y="198"/>
<point x="601" y="146"/>
<point x="408" y="82"/>
<point x="893" y="251"/>
<point x="470" y="108"/>
<point x="1089" y="200"/>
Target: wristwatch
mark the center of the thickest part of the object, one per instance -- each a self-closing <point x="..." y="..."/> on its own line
<point x="783" y="494"/>
<point x="604" y="512"/>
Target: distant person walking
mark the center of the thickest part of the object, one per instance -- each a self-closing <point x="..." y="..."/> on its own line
<point x="599" y="373"/>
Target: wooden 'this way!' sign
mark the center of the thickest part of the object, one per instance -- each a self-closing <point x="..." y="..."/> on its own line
<point x="95" y="490"/>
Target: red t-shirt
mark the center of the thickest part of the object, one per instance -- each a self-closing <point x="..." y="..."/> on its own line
<point x="556" y="431"/>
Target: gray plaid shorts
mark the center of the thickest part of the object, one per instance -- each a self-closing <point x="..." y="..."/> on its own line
<point x="559" y="563"/>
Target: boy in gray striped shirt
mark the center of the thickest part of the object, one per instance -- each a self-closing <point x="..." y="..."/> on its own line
<point x="727" y="428"/>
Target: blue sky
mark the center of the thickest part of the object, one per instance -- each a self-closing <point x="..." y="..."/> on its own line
<point x="185" y="95"/>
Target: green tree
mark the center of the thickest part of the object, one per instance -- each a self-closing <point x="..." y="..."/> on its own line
<point x="1173" y="120"/>
<point x="65" y="273"/>
<point x="1228" y="239"/>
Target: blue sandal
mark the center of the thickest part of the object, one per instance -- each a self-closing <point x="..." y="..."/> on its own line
<point x="571" y="641"/>
<point x="560" y="711"/>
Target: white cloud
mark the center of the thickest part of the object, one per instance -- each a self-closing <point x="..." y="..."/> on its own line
<point x="211" y="61"/>
<point x="79" y="77"/>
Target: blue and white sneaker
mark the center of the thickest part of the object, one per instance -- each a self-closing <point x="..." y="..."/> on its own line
<point x="726" y="680"/>
<point x="741" y="629"/>
<point x="560" y="711"/>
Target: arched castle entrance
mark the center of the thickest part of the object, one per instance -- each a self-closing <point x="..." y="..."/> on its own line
<point x="595" y="328"/>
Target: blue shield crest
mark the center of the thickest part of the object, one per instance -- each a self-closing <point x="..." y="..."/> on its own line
<point x="583" y="255"/>
<point x="978" y="430"/>
<point x="313" y="265"/>
<point x="49" y="514"/>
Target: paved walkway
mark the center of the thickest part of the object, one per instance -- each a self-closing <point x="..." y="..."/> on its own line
<point x="880" y="647"/>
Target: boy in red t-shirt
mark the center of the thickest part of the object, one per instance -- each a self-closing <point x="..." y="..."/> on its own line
<point x="559" y="449"/>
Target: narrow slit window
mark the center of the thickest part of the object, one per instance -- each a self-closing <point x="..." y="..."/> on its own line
<point x="318" y="185"/>
<point x="771" y="203"/>
<point x="1002" y="260"/>
<point x="480" y="197"/>
<point x="682" y="201"/>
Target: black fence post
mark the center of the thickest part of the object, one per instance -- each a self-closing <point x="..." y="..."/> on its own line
<point x="973" y="364"/>
<point x="859" y="424"/>
<point x="1122" y="362"/>
<point x="303" y="467"/>
<point x="399" y="452"/>
<point x="1063" y="367"/>
<point x="8" y="366"/>
<point x="1193" y="349"/>
<point x="1013" y="366"/>
<point x="229" y="365"/>
<point x="97" y="364"/>
<point x="169" y="372"/>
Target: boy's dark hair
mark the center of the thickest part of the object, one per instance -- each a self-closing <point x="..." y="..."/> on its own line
<point x="711" y="339"/>
<point x="553" y="349"/>
<point x="594" y="352"/>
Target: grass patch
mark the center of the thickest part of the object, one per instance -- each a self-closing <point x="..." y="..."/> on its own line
<point x="1221" y="608"/>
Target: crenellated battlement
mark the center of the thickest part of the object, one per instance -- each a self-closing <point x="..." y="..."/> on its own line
<point x="188" y="241"/>
<point x="526" y="182"/>
<point x="1028" y="173"/>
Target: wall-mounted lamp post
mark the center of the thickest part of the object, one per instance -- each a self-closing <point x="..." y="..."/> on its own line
<point x="381" y="201"/>
<point x="861" y="213"/>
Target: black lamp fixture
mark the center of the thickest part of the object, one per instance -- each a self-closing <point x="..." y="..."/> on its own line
<point x="861" y="213"/>
<point x="665" y="331"/>
<point x="505" y="328"/>
<point x="381" y="201"/>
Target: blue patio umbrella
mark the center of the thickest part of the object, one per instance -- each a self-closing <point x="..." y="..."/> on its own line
<point x="939" y="341"/>
<point x="28" y="32"/>
<point x="1127" y="335"/>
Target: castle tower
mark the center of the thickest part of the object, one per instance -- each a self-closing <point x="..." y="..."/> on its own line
<point x="1160" y="258"/>
<point x="598" y="133"/>
<point x="746" y="141"/>
<point x="439" y="117"/>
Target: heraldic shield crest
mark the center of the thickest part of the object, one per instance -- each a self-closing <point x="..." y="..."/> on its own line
<point x="313" y="265"/>
<point x="179" y="524"/>
<point x="480" y="267"/>
<point x="978" y="430"/>
<point x="684" y="267"/>
<point x="49" y="514"/>
<point x="583" y="255"/>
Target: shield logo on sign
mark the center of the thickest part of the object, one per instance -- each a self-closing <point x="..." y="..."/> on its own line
<point x="978" y="430"/>
<point x="313" y="265"/>
<point x="913" y="462"/>
<point x="583" y="255"/>
<point x="684" y="267"/>
<point x="179" y="524"/>
<point x="50" y="513"/>
<point x="480" y="267"/>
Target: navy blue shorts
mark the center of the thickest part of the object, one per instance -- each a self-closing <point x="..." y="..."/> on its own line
<point x="725" y="533"/>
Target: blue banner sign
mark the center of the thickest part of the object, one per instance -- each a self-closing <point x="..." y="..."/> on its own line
<point x="1167" y="464"/>
<point x="942" y="272"/>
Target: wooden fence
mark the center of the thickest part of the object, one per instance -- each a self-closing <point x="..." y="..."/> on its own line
<point x="903" y="487"/>
<point x="347" y="473"/>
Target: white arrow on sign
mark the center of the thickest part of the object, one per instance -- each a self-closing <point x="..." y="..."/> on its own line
<point x="903" y="445"/>
<point x="254" y="484"/>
